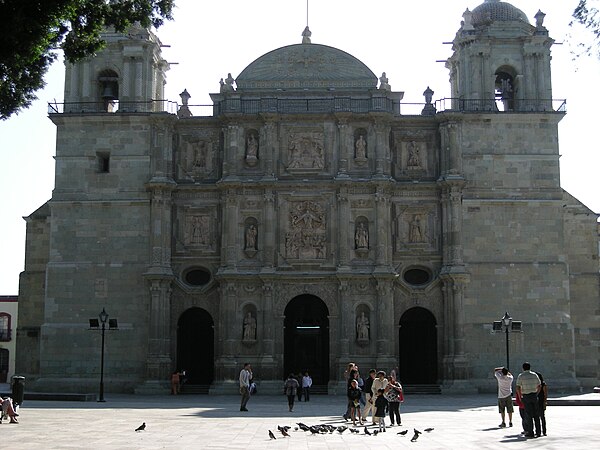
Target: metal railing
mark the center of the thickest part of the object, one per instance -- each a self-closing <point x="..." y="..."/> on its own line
<point x="501" y="106"/>
<point x="316" y="106"/>
<point x="151" y="106"/>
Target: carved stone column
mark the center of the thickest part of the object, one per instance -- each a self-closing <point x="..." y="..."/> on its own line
<point x="345" y="332"/>
<point x="230" y="230"/>
<point x="268" y="150"/>
<point x="385" y="323"/>
<point x="382" y="201"/>
<point x="159" y="276"/>
<point x="269" y="231"/>
<point x="456" y="367"/>
<point x="268" y="364"/>
<point x="232" y="150"/>
<point x="344" y="231"/>
<point x="382" y="150"/>
<point x="345" y="148"/>
<point x="229" y="333"/>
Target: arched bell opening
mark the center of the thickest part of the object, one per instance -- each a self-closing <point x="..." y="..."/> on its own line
<point x="109" y="90"/>
<point x="505" y="89"/>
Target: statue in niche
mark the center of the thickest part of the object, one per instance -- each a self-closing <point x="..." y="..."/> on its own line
<point x="251" y="146"/>
<point x="305" y="152"/>
<point x="251" y="235"/>
<point x="416" y="232"/>
<point x="362" y="327"/>
<point x="361" y="148"/>
<point x="361" y="236"/>
<point x="249" y="328"/>
<point x="414" y="157"/>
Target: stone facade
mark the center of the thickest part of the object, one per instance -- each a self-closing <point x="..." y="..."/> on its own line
<point x="309" y="223"/>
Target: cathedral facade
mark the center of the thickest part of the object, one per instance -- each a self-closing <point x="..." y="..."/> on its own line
<point x="309" y="222"/>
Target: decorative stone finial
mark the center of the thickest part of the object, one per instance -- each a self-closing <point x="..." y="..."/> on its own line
<point x="429" y="109"/>
<point x="184" y="110"/>
<point x="539" y="19"/>
<point x="306" y="34"/>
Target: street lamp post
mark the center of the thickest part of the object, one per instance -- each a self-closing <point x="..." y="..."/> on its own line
<point x="507" y="324"/>
<point x="95" y="325"/>
<point x="103" y="318"/>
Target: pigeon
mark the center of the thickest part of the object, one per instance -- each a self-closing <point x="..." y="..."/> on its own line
<point x="285" y="434"/>
<point x="295" y="428"/>
<point x="375" y="432"/>
<point x="416" y="436"/>
<point x="271" y="435"/>
<point x="354" y="430"/>
<point x="142" y="427"/>
<point x="314" y="430"/>
<point x="428" y="429"/>
<point x="367" y="431"/>
<point x="403" y="433"/>
<point x="341" y="429"/>
<point x="302" y="426"/>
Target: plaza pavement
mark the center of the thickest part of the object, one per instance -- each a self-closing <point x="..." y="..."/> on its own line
<point x="215" y="422"/>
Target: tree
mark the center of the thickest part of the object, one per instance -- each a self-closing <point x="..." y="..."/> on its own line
<point x="35" y="30"/>
<point x="587" y="14"/>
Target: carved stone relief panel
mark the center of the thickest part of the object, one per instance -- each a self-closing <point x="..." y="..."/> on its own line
<point x="306" y="230"/>
<point x="413" y="153"/>
<point x="197" y="229"/>
<point x="305" y="151"/>
<point x="197" y="155"/>
<point x="416" y="228"/>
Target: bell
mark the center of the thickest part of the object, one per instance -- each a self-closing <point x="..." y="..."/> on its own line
<point x="108" y="93"/>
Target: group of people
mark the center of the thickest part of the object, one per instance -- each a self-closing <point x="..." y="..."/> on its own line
<point x="297" y="386"/>
<point x="382" y="394"/>
<point x="531" y="397"/>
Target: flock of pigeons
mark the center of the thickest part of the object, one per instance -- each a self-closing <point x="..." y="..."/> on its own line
<point x="328" y="429"/>
<point x="324" y="429"/>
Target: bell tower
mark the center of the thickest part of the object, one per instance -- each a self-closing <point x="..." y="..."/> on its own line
<point x="129" y="74"/>
<point x="500" y="61"/>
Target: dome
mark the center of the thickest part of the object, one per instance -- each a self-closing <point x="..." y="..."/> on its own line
<point x="306" y="66"/>
<point x="497" y="11"/>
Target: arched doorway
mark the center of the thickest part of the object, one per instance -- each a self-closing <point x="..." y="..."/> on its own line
<point x="306" y="338"/>
<point x="418" y="347"/>
<point x="195" y="346"/>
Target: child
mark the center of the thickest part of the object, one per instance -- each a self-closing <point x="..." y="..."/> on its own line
<point x="381" y="405"/>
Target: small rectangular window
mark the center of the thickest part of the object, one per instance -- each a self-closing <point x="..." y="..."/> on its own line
<point x="103" y="160"/>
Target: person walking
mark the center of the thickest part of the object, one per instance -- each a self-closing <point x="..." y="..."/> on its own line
<point x="245" y="378"/>
<point x="505" y="401"/>
<point x="393" y="395"/>
<point x="291" y="389"/>
<point x="542" y="402"/>
<point x="306" y="384"/>
<point x="528" y="384"/>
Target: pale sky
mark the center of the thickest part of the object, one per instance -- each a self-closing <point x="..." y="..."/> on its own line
<point x="210" y="39"/>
